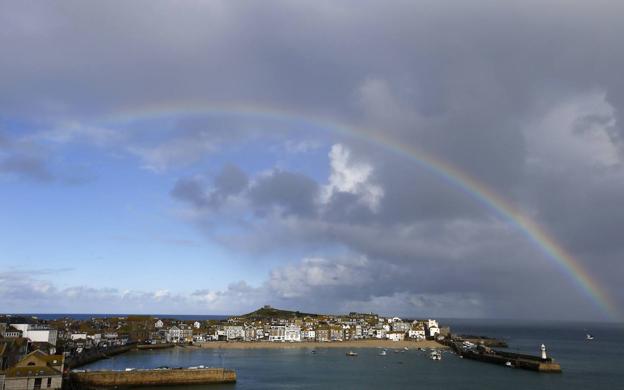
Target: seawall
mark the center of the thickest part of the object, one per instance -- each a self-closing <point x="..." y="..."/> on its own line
<point x="158" y="377"/>
<point x="516" y="360"/>
<point x="95" y="354"/>
<point x="155" y="346"/>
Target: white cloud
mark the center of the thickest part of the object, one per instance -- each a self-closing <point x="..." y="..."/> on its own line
<point x="464" y="305"/>
<point x="74" y="131"/>
<point x="313" y="273"/>
<point x="351" y="177"/>
<point x="298" y="147"/>
<point x="178" y="151"/>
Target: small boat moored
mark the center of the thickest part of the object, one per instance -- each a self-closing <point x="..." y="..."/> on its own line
<point x="351" y="353"/>
<point x="436" y="355"/>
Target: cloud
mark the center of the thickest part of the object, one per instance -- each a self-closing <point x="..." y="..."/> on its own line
<point x="291" y="193"/>
<point x="575" y="132"/>
<point x="351" y="177"/>
<point x="76" y="132"/>
<point x="229" y="182"/>
<point x="26" y="166"/>
<point x="533" y="111"/>
<point x="470" y="259"/>
<point x="25" y="291"/>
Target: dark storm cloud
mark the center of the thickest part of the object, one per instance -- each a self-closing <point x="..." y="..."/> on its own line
<point x="465" y="81"/>
<point x="293" y="193"/>
<point x="190" y="190"/>
<point x="415" y="258"/>
<point x="230" y="181"/>
<point x="288" y="193"/>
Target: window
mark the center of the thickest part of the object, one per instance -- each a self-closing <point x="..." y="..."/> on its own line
<point x="49" y="382"/>
<point x="31" y="364"/>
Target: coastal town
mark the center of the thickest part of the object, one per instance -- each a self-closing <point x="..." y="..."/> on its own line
<point x="40" y="353"/>
<point x="36" y="353"/>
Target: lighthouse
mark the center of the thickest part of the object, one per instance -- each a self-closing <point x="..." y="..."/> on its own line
<point x="543" y="348"/>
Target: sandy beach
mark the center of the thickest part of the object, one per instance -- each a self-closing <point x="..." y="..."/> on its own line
<point x="317" y="345"/>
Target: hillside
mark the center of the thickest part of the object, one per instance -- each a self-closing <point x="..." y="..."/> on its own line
<point x="271" y="312"/>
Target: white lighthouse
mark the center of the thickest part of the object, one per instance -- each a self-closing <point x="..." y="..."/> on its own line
<point x="543" y="348"/>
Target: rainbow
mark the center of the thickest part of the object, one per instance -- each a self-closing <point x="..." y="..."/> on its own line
<point x="456" y="178"/>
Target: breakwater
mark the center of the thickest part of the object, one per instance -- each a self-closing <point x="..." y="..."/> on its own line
<point x="155" y="346"/>
<point x="482" y="340"/>
<point x="508" y="359"/>
<point x="153" y="377"/>
<point x="94" y="355"/>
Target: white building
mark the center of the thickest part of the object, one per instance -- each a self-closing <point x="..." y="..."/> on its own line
<point x="78" y="336"/>
<point x="159" y="324"/>
<point x="196" y="325"/>
<point x="358" y="332"/>
<point x="173" y="335"/>
<point x="416" y="333"/>
<point x="395" y="336"/>
<point x="432" y="328"/>
<point x="292" y="333"/>
<point x="38" y="333"/>
<point x="234" y="332"/>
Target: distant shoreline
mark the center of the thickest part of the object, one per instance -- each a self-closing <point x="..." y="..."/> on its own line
<point x="318" y="345"/>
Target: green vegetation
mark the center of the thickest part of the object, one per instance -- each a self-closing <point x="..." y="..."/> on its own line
<point x="268" y="312"/>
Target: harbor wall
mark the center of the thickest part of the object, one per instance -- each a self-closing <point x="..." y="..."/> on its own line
<point x="527" y="362"/>
<point x="111" y="379"/>
<point x="155" y="346"/>
<point x="95" y="355"/>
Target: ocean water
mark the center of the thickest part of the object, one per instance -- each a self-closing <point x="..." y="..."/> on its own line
<point x="597" y="364"/>
<point x="86" y="316"/>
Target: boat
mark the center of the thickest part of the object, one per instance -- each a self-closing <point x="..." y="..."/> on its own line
<point x="436" y="355"/>
<point x="406" y="349"/>
<point x="589" y="337"/>
<point x="383" y="353"/>
<point x="508" y="364"/>
<point x="351" y="353"/>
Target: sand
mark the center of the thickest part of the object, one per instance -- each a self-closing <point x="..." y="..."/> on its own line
<point x="317" y="345"/>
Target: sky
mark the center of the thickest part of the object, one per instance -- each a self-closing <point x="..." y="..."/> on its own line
<point x="211" y="157"/>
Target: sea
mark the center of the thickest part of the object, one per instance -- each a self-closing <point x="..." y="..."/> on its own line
<point x="87" y="316"/>
<point x="586" y="364"/>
